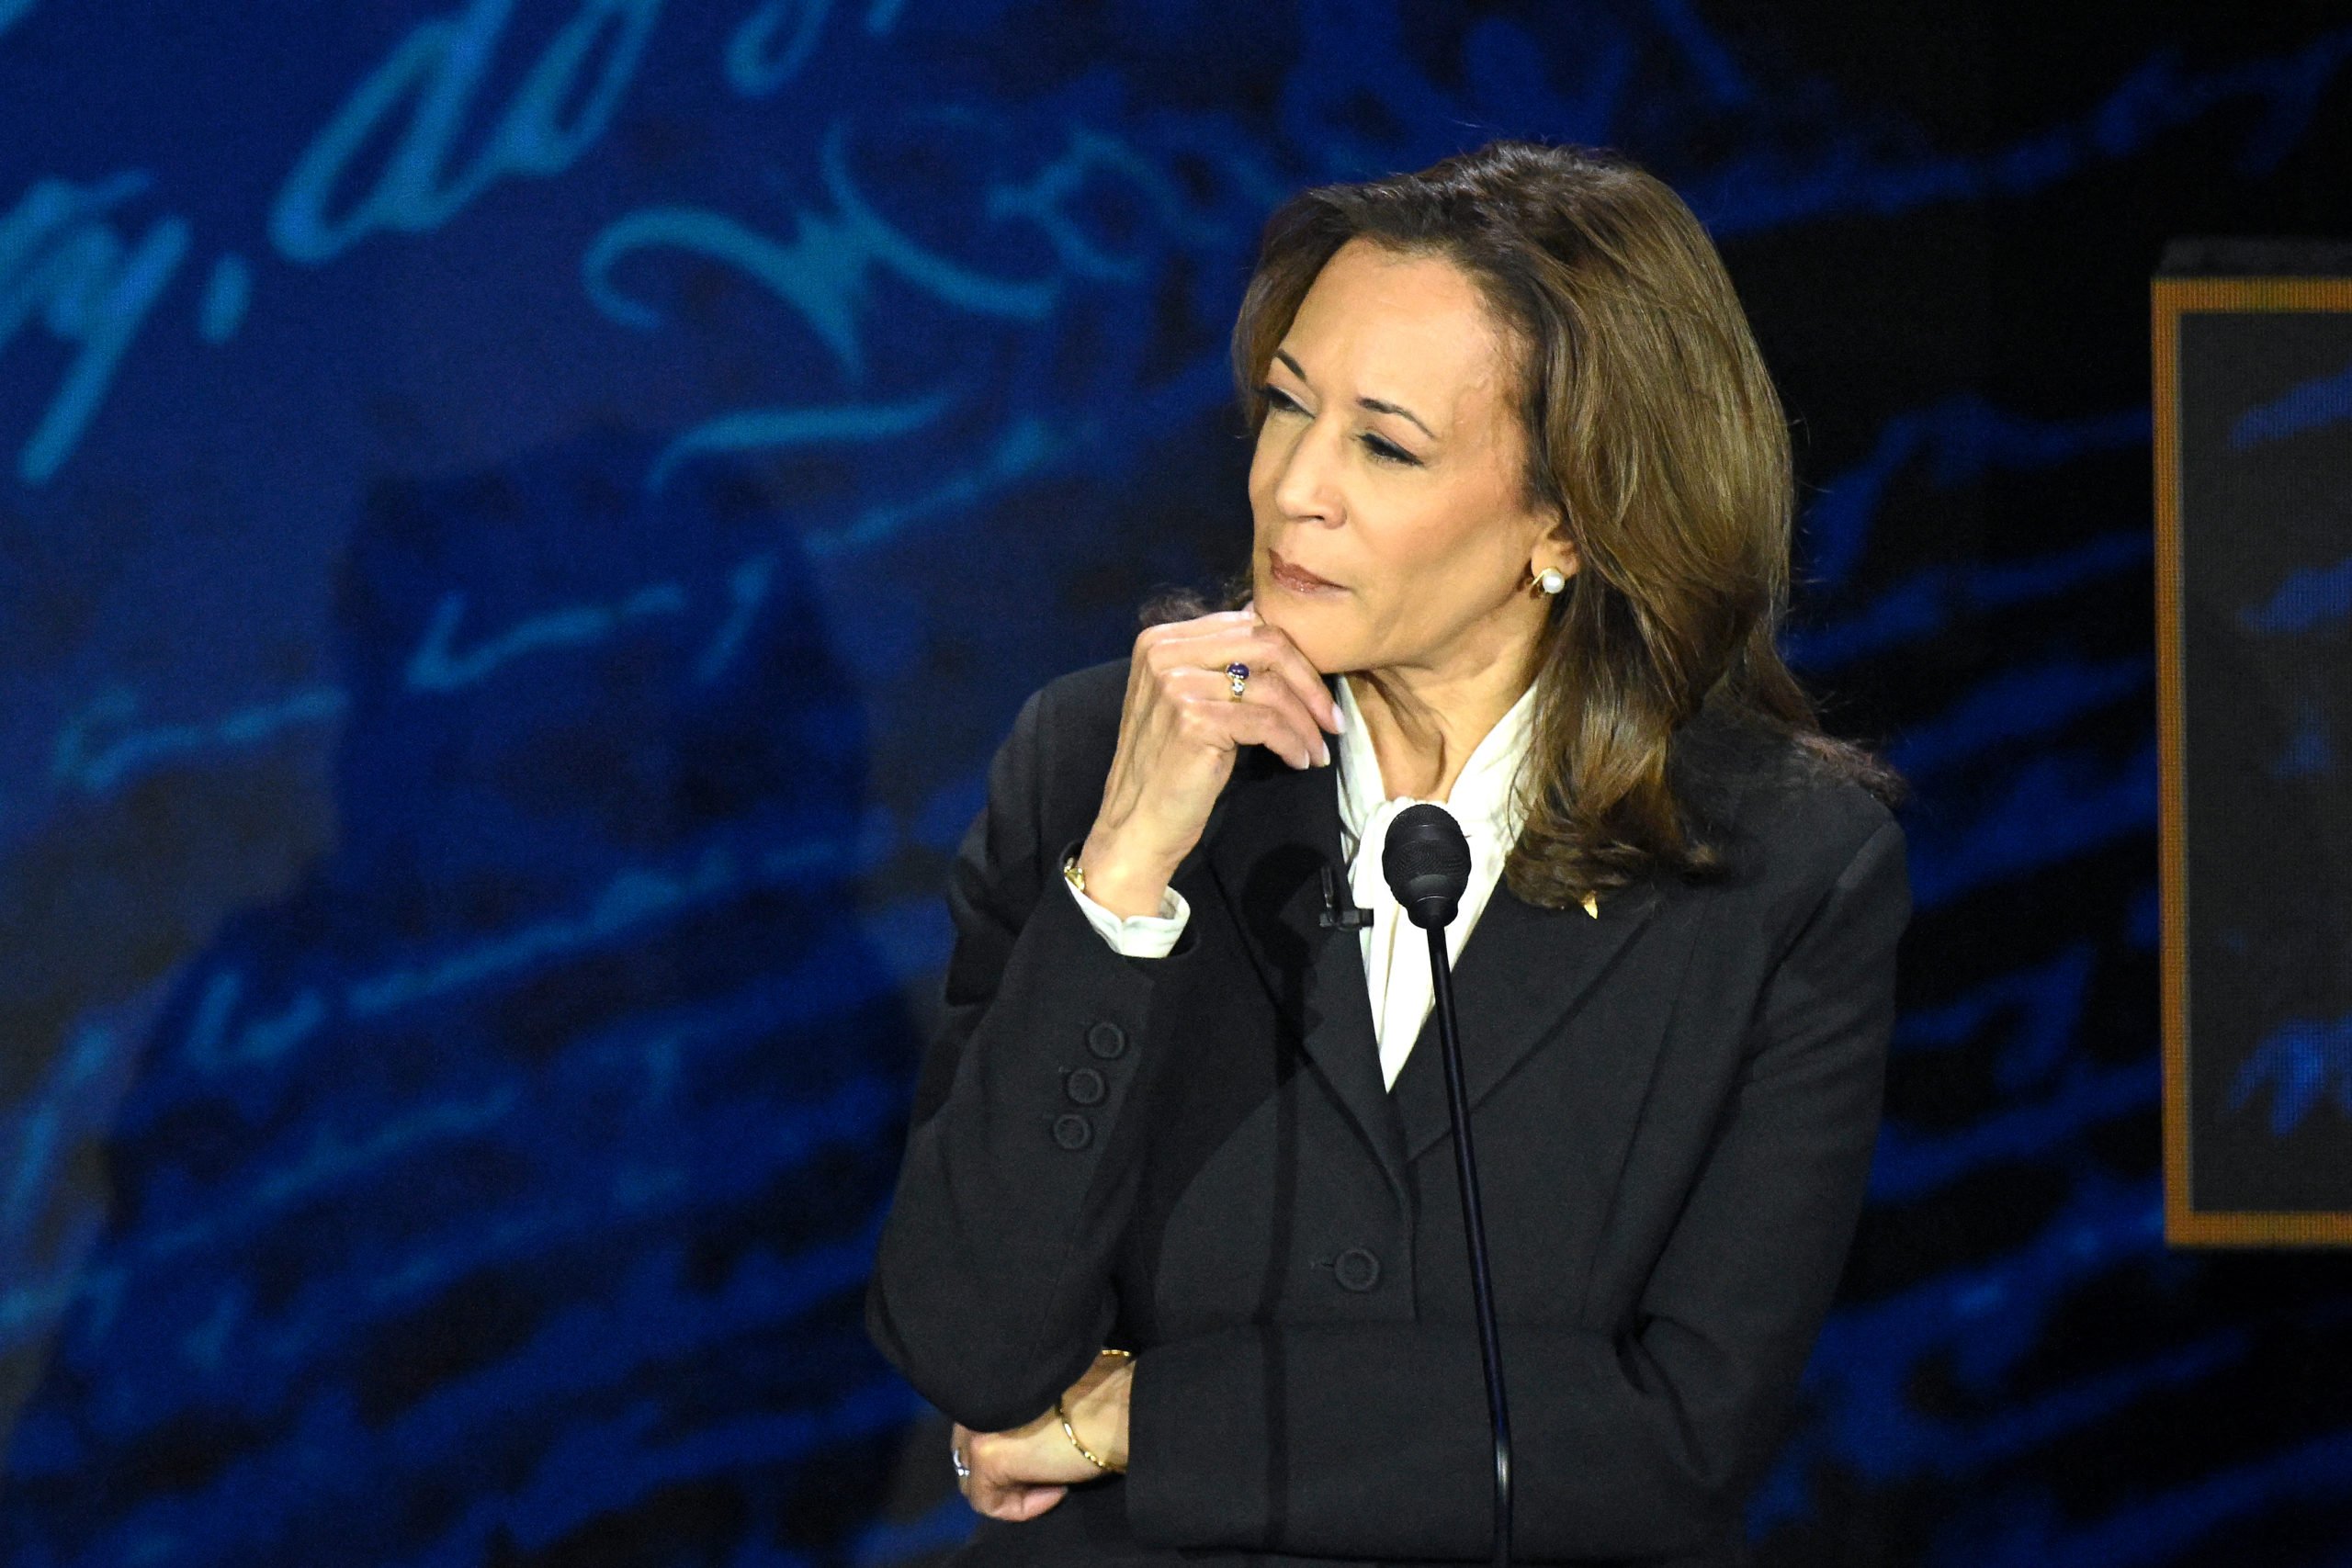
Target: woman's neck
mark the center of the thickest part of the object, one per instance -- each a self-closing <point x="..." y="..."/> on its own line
<point x="1423" y="726"/>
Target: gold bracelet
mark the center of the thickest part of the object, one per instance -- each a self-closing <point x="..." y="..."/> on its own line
<point x="1071" y="1432"/>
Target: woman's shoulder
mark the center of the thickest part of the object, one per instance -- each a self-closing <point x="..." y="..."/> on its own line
<point x="1799" y="801"/>
<point x="1091" y="695"/>
<point x="1077" y="713"/>
<point x="1061" y="743"/>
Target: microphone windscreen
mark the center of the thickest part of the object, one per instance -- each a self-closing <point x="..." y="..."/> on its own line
<point x="1427" y="863"/>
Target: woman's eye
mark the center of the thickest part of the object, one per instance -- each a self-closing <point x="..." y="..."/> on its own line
<point x="1279" y="402"/>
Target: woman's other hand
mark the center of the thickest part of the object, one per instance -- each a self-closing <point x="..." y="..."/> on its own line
<point x="1020" y="1473"/>
<point x="1178" y="735"/>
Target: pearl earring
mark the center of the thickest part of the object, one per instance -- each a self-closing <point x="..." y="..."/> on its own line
<point x="1552" y="580"/>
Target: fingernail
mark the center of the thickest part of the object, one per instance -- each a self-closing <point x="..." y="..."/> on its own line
<point x="1338" y="719"/>
<point x="1324" y="747"/>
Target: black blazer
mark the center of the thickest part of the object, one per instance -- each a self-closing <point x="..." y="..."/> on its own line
<point x="1194" y="1156"/>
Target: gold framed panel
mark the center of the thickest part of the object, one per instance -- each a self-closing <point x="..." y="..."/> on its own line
<point x="2173" y="297"/>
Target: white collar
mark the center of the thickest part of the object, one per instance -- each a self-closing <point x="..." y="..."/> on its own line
<point x="1483" y="799"/>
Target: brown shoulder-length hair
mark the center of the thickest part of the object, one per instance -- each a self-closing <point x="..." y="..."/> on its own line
<point x="1652" y="428"/>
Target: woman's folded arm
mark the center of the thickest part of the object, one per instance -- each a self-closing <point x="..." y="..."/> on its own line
<point x="990" y="1287"/>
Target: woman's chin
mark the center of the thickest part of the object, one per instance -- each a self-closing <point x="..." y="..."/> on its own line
<point x="1320" y="641"/>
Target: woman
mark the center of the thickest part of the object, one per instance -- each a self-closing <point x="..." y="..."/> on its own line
<point x="1176" y="1241"/>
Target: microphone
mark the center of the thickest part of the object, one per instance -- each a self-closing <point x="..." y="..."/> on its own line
<point x="1427" y="863"/>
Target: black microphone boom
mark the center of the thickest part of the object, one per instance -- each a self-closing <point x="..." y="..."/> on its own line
<point x="1427" y="863"/>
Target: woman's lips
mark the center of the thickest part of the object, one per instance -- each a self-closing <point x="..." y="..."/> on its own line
<point x="1298" y="581"/>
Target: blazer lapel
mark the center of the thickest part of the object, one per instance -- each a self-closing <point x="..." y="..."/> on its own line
<point x="1522" y="970"/>
<point x="1274" y="831"/>
<point x="1525" y="968"/>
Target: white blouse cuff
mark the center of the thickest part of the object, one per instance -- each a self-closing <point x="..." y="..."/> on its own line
<point x="1138" y="936"/>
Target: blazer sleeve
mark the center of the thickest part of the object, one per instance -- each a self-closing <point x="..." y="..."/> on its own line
<point x="990" y="1291"/>
<point x="1371" y="1439"/>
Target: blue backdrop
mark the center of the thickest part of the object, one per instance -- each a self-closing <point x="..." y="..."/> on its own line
<point x="523" y="522"/>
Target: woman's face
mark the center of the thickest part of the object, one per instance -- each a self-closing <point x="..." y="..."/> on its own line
<point x="1389" y="467"/>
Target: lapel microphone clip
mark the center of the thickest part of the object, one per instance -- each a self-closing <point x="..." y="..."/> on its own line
<point x="1339" y="909"/>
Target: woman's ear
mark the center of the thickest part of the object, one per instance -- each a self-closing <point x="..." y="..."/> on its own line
<point x="1558" y="549"/>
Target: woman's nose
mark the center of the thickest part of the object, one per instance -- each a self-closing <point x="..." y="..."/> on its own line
<point x="1307" y="486"/>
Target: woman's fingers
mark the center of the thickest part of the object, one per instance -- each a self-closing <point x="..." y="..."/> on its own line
<point x="1192" y="671"/>
<point x="1002" y="1497"/>
<point x="1022" y="1500"/>
<point x="960" y="1438"/>
<point x="1002" y="1483"/>
<point x="1214" y="641"/>
<point x="1273" y="718"/>
<point x="1294" y="666"/>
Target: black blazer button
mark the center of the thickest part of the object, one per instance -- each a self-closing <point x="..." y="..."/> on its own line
<point x="1085" y="1086"/>
<point x="1356" y="1269"/>
<point x="1072" y="1131"/>
<point x="1106" y="1040"/>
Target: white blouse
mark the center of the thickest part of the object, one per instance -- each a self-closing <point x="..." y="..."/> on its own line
<point x="1396" y="953"/>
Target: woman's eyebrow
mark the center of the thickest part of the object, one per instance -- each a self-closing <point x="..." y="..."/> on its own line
<point x="1375" y="404"/>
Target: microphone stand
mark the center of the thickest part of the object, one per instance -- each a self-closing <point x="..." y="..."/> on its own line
<point x="1474" y="1224"/>
<point x="1426" y="863"/>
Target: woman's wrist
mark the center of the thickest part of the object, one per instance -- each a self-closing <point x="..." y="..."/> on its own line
<point x="1121" y="881"/>
<point x="1096" y="1411"/>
